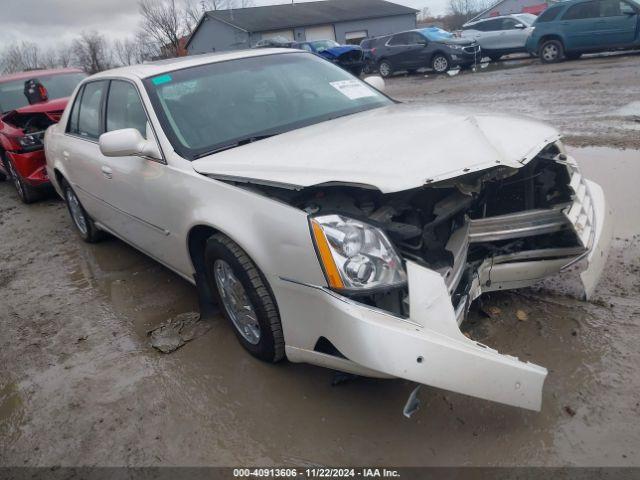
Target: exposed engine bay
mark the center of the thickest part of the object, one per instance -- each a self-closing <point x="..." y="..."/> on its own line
<point x="498" y="215"/>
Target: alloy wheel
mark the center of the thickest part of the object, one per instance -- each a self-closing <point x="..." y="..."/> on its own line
<point x="236" y="302"/>
<point x="550" y="52"/>
<point x="76" y="212"/>
<point x="385" y="69"/>
<point x="440" y="64"/>
<point x="16" y="180"/>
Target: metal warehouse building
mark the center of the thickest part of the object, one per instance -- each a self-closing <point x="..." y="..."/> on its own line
<point x="346" y="21"/>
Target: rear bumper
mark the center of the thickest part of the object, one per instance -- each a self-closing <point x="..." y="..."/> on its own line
<point x="31" y="166"/>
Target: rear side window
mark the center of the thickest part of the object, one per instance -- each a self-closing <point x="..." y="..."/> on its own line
<point x="124" y="108"/>
<point x="549" y="15"/>
<point x="75" y="110"/>
<point x="582" y="11"/>
<point x="89" y="124"/>
<point x="400" y="39"/>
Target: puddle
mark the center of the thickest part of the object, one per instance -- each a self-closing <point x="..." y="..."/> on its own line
<point x="630" y="110"/>
<point x="11" y="411"/>
<point x="618" y="172"/>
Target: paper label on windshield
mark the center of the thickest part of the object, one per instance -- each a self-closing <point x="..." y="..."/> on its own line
<point x="353" y="89"/>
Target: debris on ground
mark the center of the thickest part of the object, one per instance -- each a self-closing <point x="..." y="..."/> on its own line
<point x="522" y="315"/>
<point x="570" y="411"/>
<point x="177" y="331"/>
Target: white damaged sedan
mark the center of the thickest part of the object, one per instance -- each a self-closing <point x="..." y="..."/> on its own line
<point x="331" y="224"/>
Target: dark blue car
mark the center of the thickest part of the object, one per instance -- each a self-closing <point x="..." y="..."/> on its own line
<point x="349" y="57"/>
<point x="569" y="29"/>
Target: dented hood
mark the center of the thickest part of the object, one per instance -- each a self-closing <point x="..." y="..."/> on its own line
<point x="394" y="148"/>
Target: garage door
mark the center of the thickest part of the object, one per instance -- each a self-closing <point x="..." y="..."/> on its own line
<point x="324" y="32"/>
<point x="288" y="34"/>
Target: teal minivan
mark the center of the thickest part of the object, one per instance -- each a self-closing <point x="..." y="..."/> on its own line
<point x="568" y="29"/>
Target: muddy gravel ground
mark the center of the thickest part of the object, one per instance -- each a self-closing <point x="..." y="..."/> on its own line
<point x="594" y="101"/>
<point x="81" y="385"/>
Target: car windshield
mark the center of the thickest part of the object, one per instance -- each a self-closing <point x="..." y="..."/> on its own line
<point x="221" y="105"/>
<point x="526" y="18"/>
<point x="322" y="45"/>
<point x="62" y="85"/>
<point x="436" y="34"/>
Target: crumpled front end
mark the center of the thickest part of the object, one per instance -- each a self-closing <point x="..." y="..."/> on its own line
<point x="497" y="229"/>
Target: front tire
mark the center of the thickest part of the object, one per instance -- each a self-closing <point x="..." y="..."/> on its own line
<point x="385" y="68"/>
<point x="440" y="63"/>
<point x="85" y="226"/>
<point x="551" y="51"/>
<point x="245" y="298"/>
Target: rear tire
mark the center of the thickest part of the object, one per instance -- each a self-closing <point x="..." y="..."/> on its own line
<point x="385" y="68"/>
<point x="440" y="63"/>
<point x="245" y="298"/>
<point x="551" y="51"/>
<point x="26" y="192"/>
<point x="85" y="226"/>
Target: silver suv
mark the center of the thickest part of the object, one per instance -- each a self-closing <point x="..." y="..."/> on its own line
<point x="500" y="36"/>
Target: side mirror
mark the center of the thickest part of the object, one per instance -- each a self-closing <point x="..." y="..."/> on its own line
<point x="376" y="82"/>
<point x="519" y="26"/>
<point x="126" y="143"/>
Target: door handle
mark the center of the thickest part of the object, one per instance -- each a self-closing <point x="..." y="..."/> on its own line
<point x="107" y="172"/>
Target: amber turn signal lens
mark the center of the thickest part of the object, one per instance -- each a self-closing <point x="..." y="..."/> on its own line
<point x="329" y="265"/>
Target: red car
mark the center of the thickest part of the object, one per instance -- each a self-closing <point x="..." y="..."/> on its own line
<point x="29" y="103"/>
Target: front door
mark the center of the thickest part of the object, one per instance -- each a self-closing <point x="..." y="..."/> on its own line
<point x="580" y="26"/>
<point x="135" y="185"/>
<point x="618" y="23"/>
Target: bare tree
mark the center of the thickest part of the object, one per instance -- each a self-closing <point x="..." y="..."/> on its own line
<point x="64" y="55"/>
<point x="163" y="20"/>
<point x="461" y="11"/>
<point x="424" y="14"/>
<point x="125" y="52"/>
<point x="21" y="56"/>
<point x="91" y="52"/>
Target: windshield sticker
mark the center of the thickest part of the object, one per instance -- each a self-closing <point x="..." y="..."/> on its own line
<point x="161" y="79"/>
<point x="353" y="89"/>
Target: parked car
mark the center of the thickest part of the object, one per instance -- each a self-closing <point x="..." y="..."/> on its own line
<point x="29" y="103"/>
<point x="425" y="48"/>
<point x="309" y="206"/>
<point x="569" y="29"/>
<point x="500" y="36"/>
<point x="349" y="57"/>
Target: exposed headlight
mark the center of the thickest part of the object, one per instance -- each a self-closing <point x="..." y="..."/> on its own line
<point x="356" y="255"/>
<point x="30" y="141"/>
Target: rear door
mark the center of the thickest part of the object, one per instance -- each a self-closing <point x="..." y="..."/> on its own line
<point x="580" y="27"/>
<point x="618" y="23"/>
<point x="396" y="50"/>
<point x="81" y="154"/>
<point x="488" y="34"/>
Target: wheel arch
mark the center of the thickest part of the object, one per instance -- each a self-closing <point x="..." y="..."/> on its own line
<point x="550" y="36"/>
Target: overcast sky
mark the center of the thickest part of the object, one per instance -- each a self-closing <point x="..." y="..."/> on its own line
<point x="48" y="22"/>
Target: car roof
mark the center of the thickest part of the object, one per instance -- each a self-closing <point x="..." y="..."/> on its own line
<point x="35" y="73"/>
<point x="497" y="17"/>
<point x="152" y="69"/>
